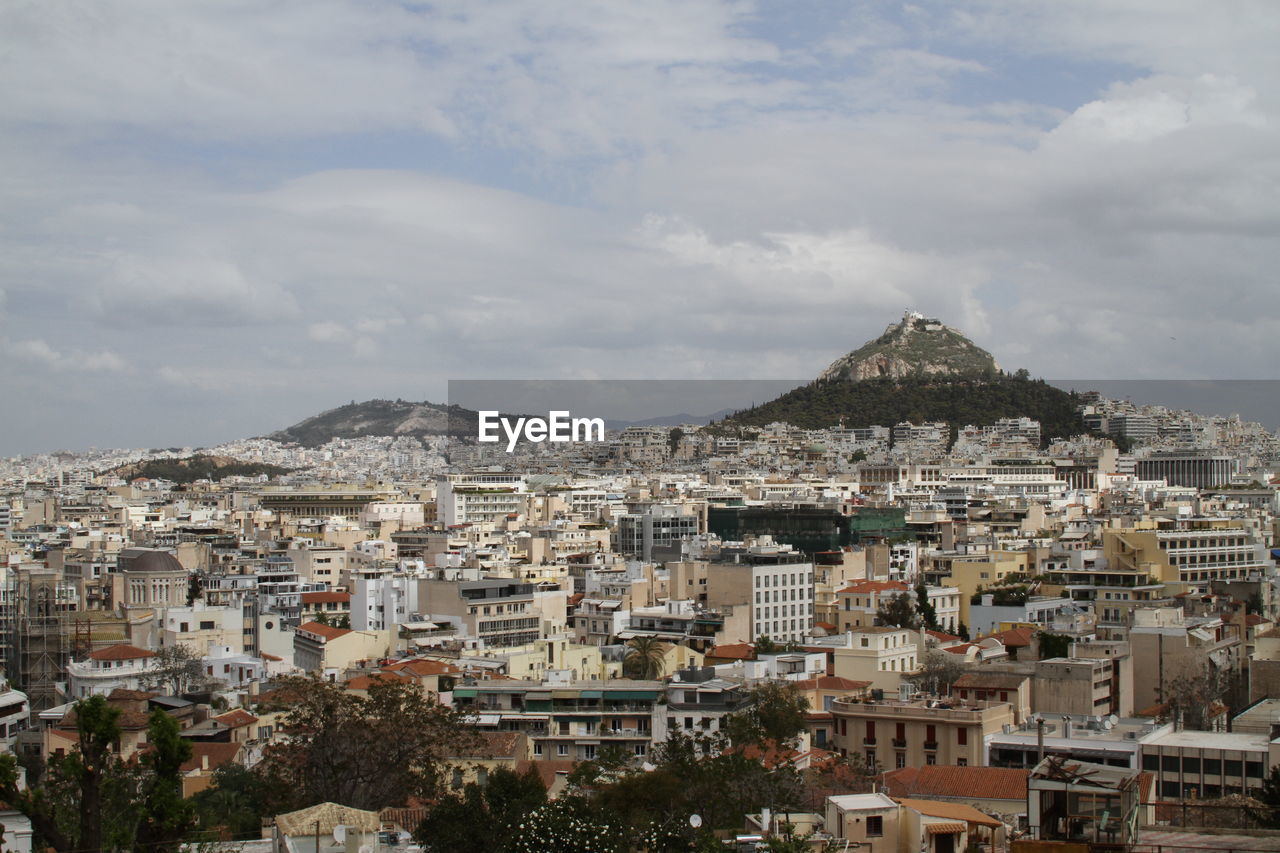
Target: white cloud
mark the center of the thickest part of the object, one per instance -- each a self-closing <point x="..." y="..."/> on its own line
<point x="38" y="352"/>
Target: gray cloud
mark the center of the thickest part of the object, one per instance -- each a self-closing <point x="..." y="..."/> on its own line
<point x="649" y="190"/>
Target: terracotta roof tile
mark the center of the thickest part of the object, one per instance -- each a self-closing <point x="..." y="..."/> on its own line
<point x="938" y="780"/>
<point x="325" y="597"/>
<point x="121" y="651"/>
<point x="218" y="753"/>
<point x="236" y="718"/>
<point x="327" y="631"/>
<point x="733" y="651"/>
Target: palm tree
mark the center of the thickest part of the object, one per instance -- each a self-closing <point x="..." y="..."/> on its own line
<point x="645" y="658"/>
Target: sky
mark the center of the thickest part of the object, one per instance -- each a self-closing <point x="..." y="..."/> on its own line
<point x="218" y="217"/>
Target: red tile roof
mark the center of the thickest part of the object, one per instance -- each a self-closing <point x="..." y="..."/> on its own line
<point x="421" y="667"/>
<point x="327" y="631"/>
<point x="218" y="754"/>
<point x="1014" y="638"/>
<point x="236" y="718"/>
<point x="966" y="783"/>
<point x="121" y="651"/>
<point x="831" y="682"/>
<point x="733" y="651"/>
<point x="326" y="597"/>
<point x="363" y="682"/>
<point x="942" y="637"/>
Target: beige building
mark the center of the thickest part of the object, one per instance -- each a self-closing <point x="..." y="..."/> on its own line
<point x="327" y="651"/>
<point x="1167" y="645"/>
<point x="870" y="821"/>
<point x="1073" y="686"/>
<point x="892" y="734"/>
<point x="879" y="655"/>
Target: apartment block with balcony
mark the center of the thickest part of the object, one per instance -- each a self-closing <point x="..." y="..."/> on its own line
<point x="890" y="734"/>
<point x="569" y="720"/>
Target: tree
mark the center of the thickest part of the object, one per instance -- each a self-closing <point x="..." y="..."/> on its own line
<point x="645" y="658"/>
<point x="1269" y="796"/>
<point x="938" y="670"/>
<point x="67" y="809"/>
<point x="482" y="818"/>
<point x="235" y="803"/>
<point x="166" y="816"/>
<point x="570" y="824"/>
<point x="369" y="752"/>
<point x="897" y="612"/>
<point x="674" y="438"/>
<point x="774" y="713"/>
<point x="175" y="670"/>
<point x="928" y="613"/>
<point x="1194" y="694"/>
<point x="1054" y="645"/>
<point x="764" y="645"/>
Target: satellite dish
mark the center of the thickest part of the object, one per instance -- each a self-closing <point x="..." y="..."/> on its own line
<point x="695" y="820"/>
<point x="1113" y="719"/>
<point x="340" y="834"/>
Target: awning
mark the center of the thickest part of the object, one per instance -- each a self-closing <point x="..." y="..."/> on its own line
<point x="537" y="695"/>
<point x="488" y="719"/>
<point x="590" y="694"/>
<point x="944" y="828"/>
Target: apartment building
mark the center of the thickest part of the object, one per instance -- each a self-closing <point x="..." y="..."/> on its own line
<point x="481" y="497"/>
<point x="775" y="581"/>
<point x="569" y="720"/>
<point x="1207" y="765"/>
<point x="497" y="612"/>
<point x="891" y="734"/>
<point x="878" y="654"/>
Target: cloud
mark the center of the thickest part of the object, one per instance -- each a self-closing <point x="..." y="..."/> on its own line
<point x="37" y="351"/>
<point x="264" y="203"/>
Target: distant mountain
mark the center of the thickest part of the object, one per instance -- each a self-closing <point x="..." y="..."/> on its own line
<point x="380" y="417"/>
<point x="919" y="370"/>
<point x="915" y="347"/>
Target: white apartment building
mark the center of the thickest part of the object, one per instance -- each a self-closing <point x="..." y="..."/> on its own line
<point x="480" y="497"/>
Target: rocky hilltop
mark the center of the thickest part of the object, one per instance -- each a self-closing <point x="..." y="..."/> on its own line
<point x="378" y="417"/>
<point x="919" y="370"/>
<point x="916" y="346"/>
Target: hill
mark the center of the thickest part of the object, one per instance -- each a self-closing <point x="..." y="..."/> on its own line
<point x="919" y="370"/>
<point x="915" y="347"/>
<point x="379" y="417"/>
<point x="957" y="400"/>
<point x="200" y="466"/>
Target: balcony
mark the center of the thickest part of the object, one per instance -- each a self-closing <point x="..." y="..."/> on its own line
<point x="899" y="743"/>
<point x="931" y="746"/>
<point x="868" y="741"/>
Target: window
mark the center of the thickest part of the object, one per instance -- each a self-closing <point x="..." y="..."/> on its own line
<point x="1191" y="766"/>
<point x="962" y="762"/>
<point x="206" y="625"/>
<point x="1169" y="764"/>
<point x="1150" y="762"/>
<point x="1232" y="767"/>
<point x="900" y="760"/>
<point x="1213" y="766"/>
<point x="875" y="825"/>
<point x="931" y="759"/>
<point x="1253" y="769"/>
<point x="962" y="736"/>
<point x="562" y="749"/>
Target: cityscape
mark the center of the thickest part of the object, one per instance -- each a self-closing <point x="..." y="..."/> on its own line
<point x="445" y="427"/>
<point x="869" y="633"/>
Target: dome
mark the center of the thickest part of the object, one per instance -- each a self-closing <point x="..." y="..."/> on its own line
<point x="150" y="560"/>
